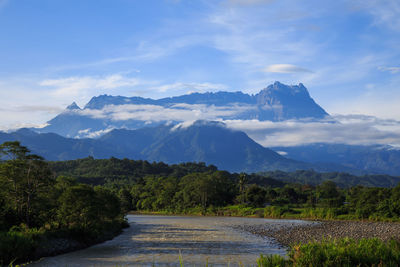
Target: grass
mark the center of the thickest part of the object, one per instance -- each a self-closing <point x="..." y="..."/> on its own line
<point x="343" y="252"/>
<point x="273" y="212"/>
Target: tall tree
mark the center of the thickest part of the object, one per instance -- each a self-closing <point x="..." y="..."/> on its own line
<point x="24" y="177"/>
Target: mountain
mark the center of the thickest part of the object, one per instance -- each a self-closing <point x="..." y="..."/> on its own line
<point x="55" y="147"/>
<point x="209" y="142"/>
<point x="212" y="143"/>
<point x="372" y="158"/>
<point x="282" y="102"/>
<point x="277" y="102"/>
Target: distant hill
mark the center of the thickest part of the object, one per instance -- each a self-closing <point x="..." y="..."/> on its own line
<point x="342" y="179"/>
<point x="372" y="158"/>
<point x="277" y="102"/>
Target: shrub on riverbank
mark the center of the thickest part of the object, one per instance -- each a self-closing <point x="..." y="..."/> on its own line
<point x="21" y="244"/>
<point x="17" y="245"/>
<point x="343" y="252"/>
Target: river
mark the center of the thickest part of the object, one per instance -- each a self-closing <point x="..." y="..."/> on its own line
<point x="163" y="240"/>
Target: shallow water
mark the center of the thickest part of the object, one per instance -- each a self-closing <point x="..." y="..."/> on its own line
<point x="162" y="240"/>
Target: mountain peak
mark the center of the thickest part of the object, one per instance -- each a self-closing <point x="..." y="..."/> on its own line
<point x="287" y="89"/>
<point x="26" y="132"/>
<point x="280" y="101"/>
<point x="73" y="106"/>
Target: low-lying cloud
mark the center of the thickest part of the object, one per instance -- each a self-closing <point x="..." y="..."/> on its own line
<point x="352" y="130"/>
<point x="156" y="113"/>
<point x="340" y="129"/>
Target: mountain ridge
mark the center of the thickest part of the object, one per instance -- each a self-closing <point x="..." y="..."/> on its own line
<point x="276" y="102"/>
<point x="200" y="142"/>
<point x="205" y="141"/>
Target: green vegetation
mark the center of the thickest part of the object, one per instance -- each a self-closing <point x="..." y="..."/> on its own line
<point x="343" y="252"/>
<point x="37" y="207"/>
<point x="85" y="200"/>
<point x="195" y="188"/>
<point x="342" y="179"/>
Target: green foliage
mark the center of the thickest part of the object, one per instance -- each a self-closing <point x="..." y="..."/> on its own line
<point x="277" y="212"/>
<point x="346" y="252"/>
<point x="335" y="253"/>
<point x="24" y="182"/>
<point x="114" y="171"/>
<point x="343" y="180"/>
<point x="272" y="261"/>
<point x="18" y="244"/>
<point x="195" y="187"/>
<point x="255" y="195"/>
<point x="31" y="199"/>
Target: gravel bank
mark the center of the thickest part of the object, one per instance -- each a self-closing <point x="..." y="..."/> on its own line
<point x="326" y="229"/>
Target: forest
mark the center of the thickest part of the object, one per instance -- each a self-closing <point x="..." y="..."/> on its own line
<point x="86" y="199"/>
<point x="37" y="207"/>
<point x="195" y="188"/>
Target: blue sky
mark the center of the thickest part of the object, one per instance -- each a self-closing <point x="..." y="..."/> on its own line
<point x="347" y="53"/>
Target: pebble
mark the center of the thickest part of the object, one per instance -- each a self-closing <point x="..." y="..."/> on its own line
<point x="317" y="231"/>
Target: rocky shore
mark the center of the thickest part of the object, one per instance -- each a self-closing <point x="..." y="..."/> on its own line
<point x="326" y="230"/>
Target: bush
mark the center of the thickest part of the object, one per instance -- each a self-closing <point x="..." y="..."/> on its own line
<point x="272" y="261"/>
<point x="277" y="212"/>
<point x="15" y="246"/>
<point x="320" y="213"/>
<point x="343" y="252"/>
<point x="347" y="252"/>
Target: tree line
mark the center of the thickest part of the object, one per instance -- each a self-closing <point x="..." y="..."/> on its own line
<point x="180" y="188"/>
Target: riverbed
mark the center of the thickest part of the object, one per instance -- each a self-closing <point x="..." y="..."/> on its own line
<point x="168" y="240"/>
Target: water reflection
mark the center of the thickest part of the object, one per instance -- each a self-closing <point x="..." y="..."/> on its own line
<point x="159" y="240"/>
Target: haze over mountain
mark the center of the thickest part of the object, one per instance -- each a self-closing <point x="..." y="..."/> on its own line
<point x="209" y="142"/>
<point x="372" y="158"/>
<point x="213" y="143"/>
<point x="277" y="102"/>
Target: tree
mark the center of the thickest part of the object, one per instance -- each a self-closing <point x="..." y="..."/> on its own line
<point x="108" y="204"/>
<point x="24" y="178"/>
<point x="125" y="198"/>
<point x="328" y="195"/>
<point x="78" y="207"/>
<point x="255" y="195"/>
<point x="242" y="187"/>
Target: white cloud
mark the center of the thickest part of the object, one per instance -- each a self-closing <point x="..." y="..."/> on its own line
<point x="384" y="12"/>
<point x="15" y="126"/>
<point x="285" y="68"/>
<point x="156" y="113"/>
<point x="392" y="70"/>
<point x="87" y="133"/>
<point x="78" y="86"/>
<point x="38" y="108"/>
<point x="352" y="129"/>
<point x="343" y="129"/>
<point x="190" y="87"/>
